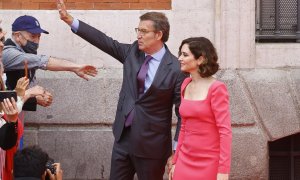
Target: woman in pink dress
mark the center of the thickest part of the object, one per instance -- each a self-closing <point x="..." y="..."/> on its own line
<point x="204" y="146"/>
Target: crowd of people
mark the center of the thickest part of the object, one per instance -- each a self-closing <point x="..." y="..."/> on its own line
<point x="154" y="80"/>
<point x="19" y="60"/>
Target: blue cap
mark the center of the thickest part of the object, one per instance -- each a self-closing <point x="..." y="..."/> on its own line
<point x="29" y="24"/>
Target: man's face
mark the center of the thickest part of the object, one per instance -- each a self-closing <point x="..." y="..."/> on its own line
<point x="24" y="36"/>
<point x="148" y="38"/>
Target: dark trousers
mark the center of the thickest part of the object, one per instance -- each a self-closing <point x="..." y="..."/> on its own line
<point x="124" y="164"/>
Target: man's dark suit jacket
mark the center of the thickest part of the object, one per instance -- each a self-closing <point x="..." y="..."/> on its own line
<point x="151" y="126"/>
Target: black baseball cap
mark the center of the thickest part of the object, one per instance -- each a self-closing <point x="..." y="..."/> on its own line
<point x="29" y="24"/>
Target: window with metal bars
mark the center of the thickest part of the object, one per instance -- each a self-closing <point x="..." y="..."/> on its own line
<point x="284" y="160"/>
<point x="278" y="20"/>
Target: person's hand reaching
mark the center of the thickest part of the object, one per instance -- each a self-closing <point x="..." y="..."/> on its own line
<point x="86" y="70"/>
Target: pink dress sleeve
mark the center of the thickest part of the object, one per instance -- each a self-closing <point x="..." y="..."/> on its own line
<point x="220" y="108"/>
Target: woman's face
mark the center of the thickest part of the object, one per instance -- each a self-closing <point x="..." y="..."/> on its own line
<point x="187" y="60"/>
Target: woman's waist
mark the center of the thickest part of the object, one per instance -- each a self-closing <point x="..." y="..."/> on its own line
<point x="200" y="127"/>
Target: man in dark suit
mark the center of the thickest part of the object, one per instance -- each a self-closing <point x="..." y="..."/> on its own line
<point x="142" y="127"/>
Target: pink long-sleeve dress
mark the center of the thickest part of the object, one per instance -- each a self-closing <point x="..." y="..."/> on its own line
<point x="204" y="145"/>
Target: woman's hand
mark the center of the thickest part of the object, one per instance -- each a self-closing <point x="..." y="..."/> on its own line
<point x="169" y="163"/>
<point x="171" y="173"/>
<point x="221" y="176"/>
<point x="9" y="108"/>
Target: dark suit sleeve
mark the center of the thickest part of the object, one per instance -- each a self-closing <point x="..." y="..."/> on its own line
<point x="97" y="38"/>
<point x="8" y="135"/>
<point x="30" y="104"/>
<point x="176" y="101"/>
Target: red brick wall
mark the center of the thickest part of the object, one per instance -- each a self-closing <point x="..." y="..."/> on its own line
<point x="87" y="4"/>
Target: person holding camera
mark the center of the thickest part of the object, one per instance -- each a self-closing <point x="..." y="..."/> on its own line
<point x="8" y="121"/>
<point x="11" y="128"/>
<point x="20" y="51"/>
<point x="22" y="82"/>
<point x="32" y="163"/>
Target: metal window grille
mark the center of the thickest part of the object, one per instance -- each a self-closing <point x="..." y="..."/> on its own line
<point x="284" y="161"/>
<point x="278" y="20"/>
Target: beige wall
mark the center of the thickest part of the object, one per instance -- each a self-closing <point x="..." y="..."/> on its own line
<point x="229" y="24"/>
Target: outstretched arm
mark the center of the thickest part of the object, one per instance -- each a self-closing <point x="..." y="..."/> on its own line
<point x="94" y="36"/>
<point x="83" y="71"/>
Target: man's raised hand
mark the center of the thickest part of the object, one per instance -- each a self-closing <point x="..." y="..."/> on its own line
<point x="64" y="15"/>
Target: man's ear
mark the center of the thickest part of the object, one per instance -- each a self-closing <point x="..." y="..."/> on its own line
<point x="159" y="35"/>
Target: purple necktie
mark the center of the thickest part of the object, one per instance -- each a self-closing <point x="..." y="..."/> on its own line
<point x="141" y="86"/>
<point x="142" y="75"/>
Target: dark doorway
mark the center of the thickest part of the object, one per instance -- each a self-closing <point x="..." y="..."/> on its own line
<point x="284" y="161"/>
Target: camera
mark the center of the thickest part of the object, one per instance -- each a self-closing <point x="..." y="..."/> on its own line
<point x="50" y="166"/>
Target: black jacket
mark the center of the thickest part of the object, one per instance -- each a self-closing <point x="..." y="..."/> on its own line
<point x="12" y="78"/>
<point x="8" y="135"/>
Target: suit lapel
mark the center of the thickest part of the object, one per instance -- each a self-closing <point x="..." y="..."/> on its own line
<point x="163" y="69"/>
<point x="161" y="73"/>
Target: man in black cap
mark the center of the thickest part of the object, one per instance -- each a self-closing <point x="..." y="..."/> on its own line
<point x="23" y="47"/>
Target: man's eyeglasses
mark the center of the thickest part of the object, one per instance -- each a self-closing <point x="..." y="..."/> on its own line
<point x="142" y="31"/>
